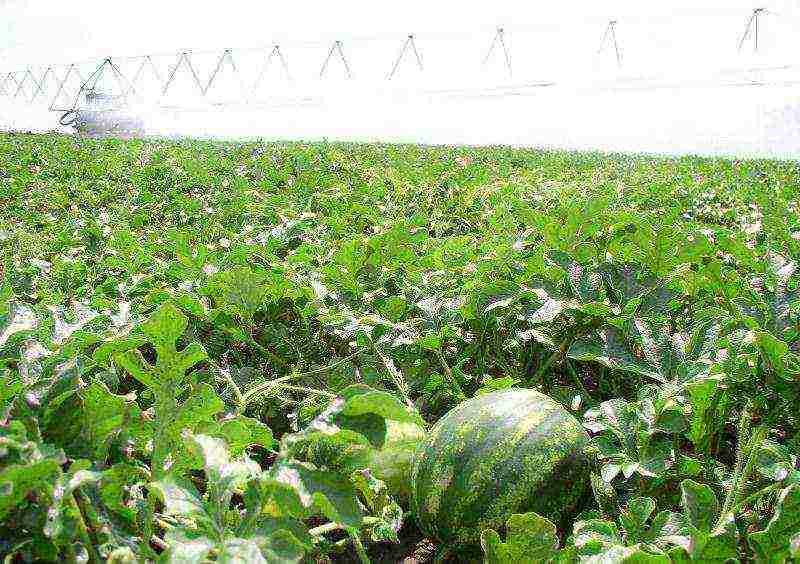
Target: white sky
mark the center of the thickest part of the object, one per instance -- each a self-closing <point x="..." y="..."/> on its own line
<point x="670" y="42"/>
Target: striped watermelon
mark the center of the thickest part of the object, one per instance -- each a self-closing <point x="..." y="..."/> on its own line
<point x="506" y="452"/>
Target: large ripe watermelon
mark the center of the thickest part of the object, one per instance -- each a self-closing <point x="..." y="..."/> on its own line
<point x="506" y="452"/>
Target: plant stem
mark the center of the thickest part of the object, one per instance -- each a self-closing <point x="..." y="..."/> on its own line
<point x="328" y="527"/>
<point x="264" y="386"/>
<point x="83" y="531"/>
<point x="70" y="555"/>
<point x="441" y="555"/>
<point x="308" y="390"/>
<point x="362" y="553"/>
<point x="163" y="524"/>
<point x="579" y="382"/>
<point x="237" y="392"/>
<point x="246" y="397"/>
<point x="147" y="525"/>
<point x="742" y="431"/>
<point x="331" y="366"/>
<point x="557" y="354"/>
<point x="165" y="409"/>
<point x="158" y="542"/>
<point x="396" y="375"/>
<point x="756" y="439"/>
<point x="451" y="379"/>
<point x="745" y="461"/>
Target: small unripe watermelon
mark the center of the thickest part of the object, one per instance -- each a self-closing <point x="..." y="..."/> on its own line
<point x="392" y="462"/>
<point x="506" y="452"/>
<point x="347" y="451"/>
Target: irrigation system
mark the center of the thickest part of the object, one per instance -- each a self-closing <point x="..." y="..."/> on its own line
<point x="94" y="94"/>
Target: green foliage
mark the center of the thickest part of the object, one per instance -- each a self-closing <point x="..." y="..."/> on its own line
<point x="367" y="429"/>
<point x="202" y="523"/>
<point x="530" y="537"/>
<point x="27" y="466"/>
<point x="315" y="308"/>
<point x="704" y="537"/>
<point x="630" y="440"/>
<point x="778" y="542"/>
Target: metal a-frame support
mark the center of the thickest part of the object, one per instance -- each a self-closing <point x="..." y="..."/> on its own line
<point x="40" y="83"/>
<point x="119" y="78"/>
<point x="146" y="61"/>
<point x="183" y="57"/>
<point x="61" y="84"/>
<point x="611" y="35"/>
<point x="336" y="47"/>
<point x="35" y="88"/>
<point x="275" y="52"/>
<point x="499" y="38"/>
<point x="97" y="75"/>
<point x="752" y="28"/>
<point x="19" y="83"/>
<point x="226" y="55"/>
<point x="409" y="42"/>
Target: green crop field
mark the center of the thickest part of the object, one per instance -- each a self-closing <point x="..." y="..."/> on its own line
<point x="219" y="352"/>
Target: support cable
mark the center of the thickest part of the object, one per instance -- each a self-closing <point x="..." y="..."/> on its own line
<point x="120" y="78"/>
<point x="60" y="85"/>
<point x="184" y="56"/>
<point x="226" y="54"/>
<point x="753" y="28"/>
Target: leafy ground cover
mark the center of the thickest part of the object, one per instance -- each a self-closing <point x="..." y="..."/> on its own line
<point x="201" y="343"/>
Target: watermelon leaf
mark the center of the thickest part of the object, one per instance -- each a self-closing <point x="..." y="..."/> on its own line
<point x="637" y="539"/>
<point x="626" y="555"/>
<point x="241" y="551"/>
<point x="780" y="540"/>
<point x="26" y="467"/>
<point x="201" y="524"/>
<point x="700" y="538"/>
<point x="362" y="400"/>
<point x="62" y="508"/>
<point x="364" y="428"/>
<point x="162" y="330"/>
<point x="630" y="439"/>
<point x="699" y="505"/>
<point x="17" y="320"/>
<point x="318" y="492"/>
<point x="530" y="537"/>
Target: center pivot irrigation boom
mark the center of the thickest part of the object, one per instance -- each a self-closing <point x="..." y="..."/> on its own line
<point x="98" y="97"/>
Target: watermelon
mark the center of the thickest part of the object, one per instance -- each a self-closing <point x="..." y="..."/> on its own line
<point x="392" y="462"/>
<point x="346" y="451"/>
<point x="506" y="452"/>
